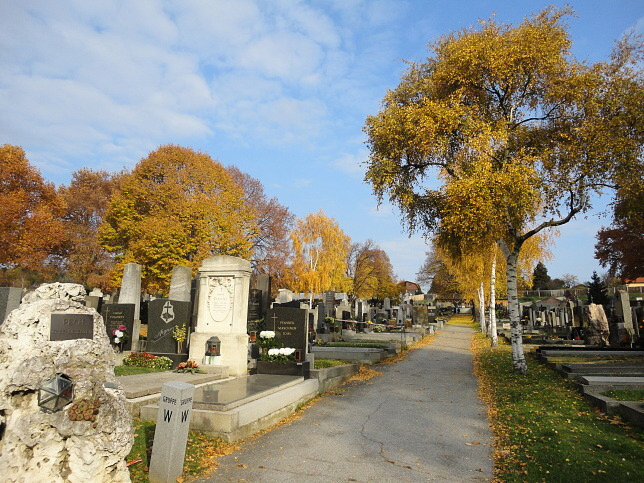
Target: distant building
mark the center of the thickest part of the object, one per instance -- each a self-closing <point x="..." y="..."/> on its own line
<point x="408" y="287"/>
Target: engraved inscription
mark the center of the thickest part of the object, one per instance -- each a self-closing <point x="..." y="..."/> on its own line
<point x="71" y="326"/>
<point x="220" y="299"/>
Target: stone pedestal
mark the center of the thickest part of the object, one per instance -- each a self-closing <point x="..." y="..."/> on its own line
<point x="222" y="312"/>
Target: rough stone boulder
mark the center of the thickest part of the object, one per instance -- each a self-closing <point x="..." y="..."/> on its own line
<point x="86" y="441"/>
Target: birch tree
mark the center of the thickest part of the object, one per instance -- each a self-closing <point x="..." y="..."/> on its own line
<point x="320" y="262"/>
<point x="506" y="117"/>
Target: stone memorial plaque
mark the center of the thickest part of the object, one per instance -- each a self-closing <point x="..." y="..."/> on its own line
<point x="71" y="326"/>
<point x="163" y="316"/>
<point x="220" y="298"/>
<point x="290" y="325"/>
<point x="119" y="314"/>
<point x="254" y="304"/>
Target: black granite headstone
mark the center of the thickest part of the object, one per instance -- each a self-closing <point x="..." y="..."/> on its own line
<point x="254" y="304"/>
<point x="163" y="316"/>
<point x="290" y="325"/>
<point x="264" y="284"/>
<point x="71" y="326"/>
<point x="321" y="314"/>
<point x="119" y="314"/>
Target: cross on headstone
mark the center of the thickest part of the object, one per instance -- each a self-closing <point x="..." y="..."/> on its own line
<point x="168" y="312"/>
<point x="274" y="317"/>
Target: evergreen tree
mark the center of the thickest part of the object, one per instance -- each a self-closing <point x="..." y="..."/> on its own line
<point x="540" y="277"/>
<point x="597" y="291"/>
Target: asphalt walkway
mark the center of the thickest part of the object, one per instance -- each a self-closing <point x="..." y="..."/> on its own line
<point x="420" y="421"/>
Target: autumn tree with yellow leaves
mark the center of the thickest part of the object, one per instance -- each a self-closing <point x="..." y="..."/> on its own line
<point x="320" y="255"/>
<point x="502" y="134"/>
<point x="177" y="207"/>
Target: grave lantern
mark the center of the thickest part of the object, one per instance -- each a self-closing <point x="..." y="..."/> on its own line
<point x="55" y="394"/>
<point x="213" y="347"/>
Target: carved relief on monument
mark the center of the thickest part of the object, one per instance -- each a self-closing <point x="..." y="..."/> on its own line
<point x="220" y="297"/>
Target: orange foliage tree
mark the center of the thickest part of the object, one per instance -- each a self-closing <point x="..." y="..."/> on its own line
<point x="31" y="231"/>
<point x="177" y="207"/>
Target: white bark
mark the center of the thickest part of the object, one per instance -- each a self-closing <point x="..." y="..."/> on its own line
<point x="492" y="324"/>
<point x="481" y="293"/>
<point x="518" y="357"/>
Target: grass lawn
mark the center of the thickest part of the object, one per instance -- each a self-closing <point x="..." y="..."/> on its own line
<point x="324" y="363"/>
<point x="129" y="370"/>
<point x="463" y="321"/>
<point x="626" y="394"/>
<point x="545" y="430"/>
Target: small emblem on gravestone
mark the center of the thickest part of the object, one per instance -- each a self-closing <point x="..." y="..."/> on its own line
<point x="71" y="326"/>
<point x="220" y="300"/>
<point x="168" y="312"/>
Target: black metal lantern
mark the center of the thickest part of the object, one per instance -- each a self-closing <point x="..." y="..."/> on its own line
<point x="56" y="393"/>
<point x="213" y="346"/>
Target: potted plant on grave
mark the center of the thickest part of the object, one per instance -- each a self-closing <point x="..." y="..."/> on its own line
<point x="120" y="337"/>
<point x="180" y="333"/>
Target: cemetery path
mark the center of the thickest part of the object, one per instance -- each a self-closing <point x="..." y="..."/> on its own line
<point x="421" y="420"/>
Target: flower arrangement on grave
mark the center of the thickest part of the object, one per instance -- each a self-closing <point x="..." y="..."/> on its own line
<point x="180" y="333"/>
<point x="189" y="366"/>
<point x="267" y="340"/>
<point x="282" y="354"/>
<point x="120" y="335"/>
<point x="143" y="359"/>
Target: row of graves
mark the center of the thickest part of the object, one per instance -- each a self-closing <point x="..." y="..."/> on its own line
<point x="215" y="301"/>
<point x="620" y="324"/>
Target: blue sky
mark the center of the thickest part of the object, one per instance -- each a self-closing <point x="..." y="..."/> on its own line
<point x="279" y="89"/>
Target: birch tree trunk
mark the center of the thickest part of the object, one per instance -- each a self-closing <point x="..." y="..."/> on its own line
<point x="511" y="256"/>
<point x="518" y="357"/>
<point x="492" y="325"/>
<point x="481" y="292"/>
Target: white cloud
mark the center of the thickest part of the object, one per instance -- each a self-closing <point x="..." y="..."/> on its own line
<point x="302" y="182"/>
<point x="407" y="255"/>
<point x="352" y="164"/>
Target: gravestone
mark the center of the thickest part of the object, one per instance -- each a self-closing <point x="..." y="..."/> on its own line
<point x="420" y="315"/>
<point x="222" y="312"/>
<point x="9" y="299"/>
<point x="329" y="303"/>
<point x="130" y="293"/>
<point x="163" y="316"/>
<point x="597" y="331"/>
<point x="263" y="283"/>
<point x="284" y="296"/>
<point x="119" y="314"/>
<point x="321" y="315"/>
<point x="95" y="302"/>
<point x="386" y="303"/>
<point x="180" y="283"/>
<point x="290" y="325"/>
<point x="623" y="310"/>
<point x="53" y="333"/>
<point x="254" y="304"/>
<point x="171" y="433"/>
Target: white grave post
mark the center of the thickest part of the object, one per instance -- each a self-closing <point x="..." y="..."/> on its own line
<point x="222" y="312"/>
<point x="171" y="433"/>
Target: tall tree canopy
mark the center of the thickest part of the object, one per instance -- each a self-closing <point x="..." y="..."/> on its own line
<point x="518" y="132"/>
<point x="177" y="207"/>
<point x="271" y="245"/>
<point x="620" y="247"/>
<point x="31" y="231"/>
<point x="87" y="198"/>
<point x="321" y="249"/>
<point x="371" y="272"/>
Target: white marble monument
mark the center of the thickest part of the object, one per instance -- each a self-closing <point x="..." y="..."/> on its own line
<point x="222" y="312"/>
